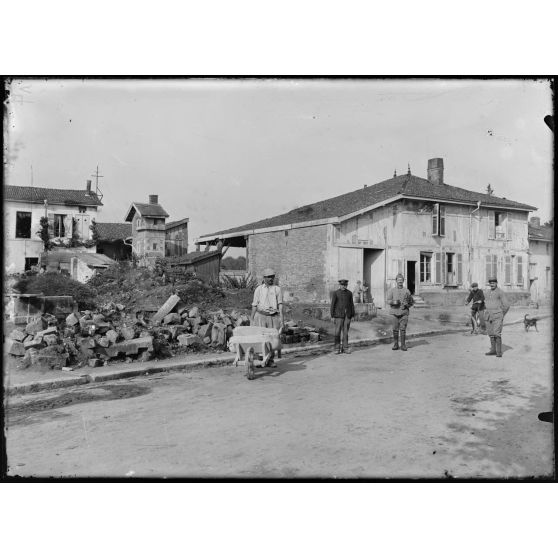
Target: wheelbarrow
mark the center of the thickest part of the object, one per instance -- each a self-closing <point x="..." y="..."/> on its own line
<point x="254" y="346"/>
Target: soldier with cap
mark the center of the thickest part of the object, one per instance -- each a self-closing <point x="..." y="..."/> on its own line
<point x="496" y="308"/>
<point x="400" y="300"/>
<point x="342" y="312"/>
<point x="477" y="308"/>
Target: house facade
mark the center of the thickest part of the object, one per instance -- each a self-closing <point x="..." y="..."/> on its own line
<point x="176" y="238"/>
<point x="113" y="240"/>
<point x="70" y="214"/>
<point x="442" y="238"/>
<point x="148" y="230"/>
<point x="541" y="269"/>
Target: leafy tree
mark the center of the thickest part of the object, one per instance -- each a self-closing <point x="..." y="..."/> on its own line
<point x="44" y="234"/>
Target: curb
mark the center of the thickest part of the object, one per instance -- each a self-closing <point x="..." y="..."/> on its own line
<point x="105" y="376"/>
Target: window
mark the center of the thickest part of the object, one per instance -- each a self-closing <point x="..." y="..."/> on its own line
<point x="497" y="225"/>
<point x="520" y="270"/>
<point x="138" y="223"/>
<point x="453" y="269"/>
<point x="491" y="266"/>
<point x="426" y="268"/>
<point x="59" y="229"/>
<point x="507" y="270"/>
<point x="82" y="209"/>
<point x="23" y="224"/>
<point x="30" y="262"/>
<point x="438" y="267"/>
<point x="154" y="246"/>
<point x="438" y="220"/>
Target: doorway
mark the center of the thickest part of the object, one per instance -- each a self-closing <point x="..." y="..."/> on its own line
<point x="411" y="265"/>
<point x="373" y="275"/>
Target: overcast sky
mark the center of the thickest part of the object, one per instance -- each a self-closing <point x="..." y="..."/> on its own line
<point x="225" y="153"/>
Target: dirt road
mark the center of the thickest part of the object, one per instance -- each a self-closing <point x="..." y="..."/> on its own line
<point x="442" y="409"/>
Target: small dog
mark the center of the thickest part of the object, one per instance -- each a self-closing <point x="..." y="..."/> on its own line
<point x="530" y="322"/>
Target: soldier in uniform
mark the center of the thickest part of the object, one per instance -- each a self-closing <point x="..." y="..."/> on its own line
<point x="496" y="307"/>
<point x="342" y="311"/>
<point x="400" y="300"/>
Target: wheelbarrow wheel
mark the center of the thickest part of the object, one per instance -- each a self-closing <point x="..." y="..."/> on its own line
<point x="249" y="363"/>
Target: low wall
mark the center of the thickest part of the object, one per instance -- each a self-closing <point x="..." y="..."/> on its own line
<point x="458" y="297"/>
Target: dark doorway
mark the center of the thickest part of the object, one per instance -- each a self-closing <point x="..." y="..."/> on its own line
<point x="411" y="276"/>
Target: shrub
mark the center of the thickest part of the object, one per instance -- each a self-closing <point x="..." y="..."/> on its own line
<point x="57" y="284"/>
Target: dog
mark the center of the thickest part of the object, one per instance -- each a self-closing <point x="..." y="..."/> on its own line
<point x="530" y="322"/>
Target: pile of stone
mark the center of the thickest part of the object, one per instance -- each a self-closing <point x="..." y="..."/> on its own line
<point x="294" y="332"/>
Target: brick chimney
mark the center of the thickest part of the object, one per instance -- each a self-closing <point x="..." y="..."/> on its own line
<point x="153" y="198"/>
<point x="88" y="187"/>
<point x="536" y="221"/>
<point x="435" y="171"/>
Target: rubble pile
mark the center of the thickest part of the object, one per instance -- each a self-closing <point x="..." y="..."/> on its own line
<point x="111" y="332"/>
<point x="294" y="332"/>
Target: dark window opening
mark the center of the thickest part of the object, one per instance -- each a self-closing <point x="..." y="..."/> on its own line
<point x="23" y="224"/>
<point x="30" y="262"/>
<point x="59" y="229"/>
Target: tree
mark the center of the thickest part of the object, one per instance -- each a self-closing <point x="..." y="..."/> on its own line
<point x="549" y="223"/>
<point x="44" y="234"/>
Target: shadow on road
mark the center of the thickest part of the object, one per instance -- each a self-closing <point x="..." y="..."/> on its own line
<point x="296" y="364"/>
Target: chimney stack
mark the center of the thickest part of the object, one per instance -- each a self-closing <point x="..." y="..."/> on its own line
<point x="435" y="171"/>
<point x="88" y="187"/>
<point x="153" y="198"/>
<point x="536" y="221"/>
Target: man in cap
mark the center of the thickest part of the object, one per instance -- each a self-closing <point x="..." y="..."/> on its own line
<point x="342" y="311"/>
<point x="477" y="308"/>
<point x="496" y="308"/>
<point x="400" y="300"/>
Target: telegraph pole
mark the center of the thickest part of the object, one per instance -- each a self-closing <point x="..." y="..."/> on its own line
<point x="97" y="176"/>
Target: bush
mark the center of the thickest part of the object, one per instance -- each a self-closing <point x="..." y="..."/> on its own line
<point x="245" y="282"/>
<point x="57" y="284"/>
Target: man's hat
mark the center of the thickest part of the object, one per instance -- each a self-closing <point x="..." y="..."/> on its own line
<point x="343" y="282"/>
<point x="399" y="275"/>
<point x="268" y="272"/>
<point x="474" y="285"/>
<point x="493" y="280"/>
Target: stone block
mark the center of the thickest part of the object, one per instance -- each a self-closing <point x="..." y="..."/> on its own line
<point x="112" y="336"/>
<point x="95" y="362"/>
<point x="72" y="320"/>
<point x="218" y="335"/>
<point x="120" y="307"/>
<point x="172" y="318"/>
<point x="48" y="331"/>
<point x="18" y="335"/>
<point x="50" y="339"/>
<point x="34" y="327"/>
<point x="14" y="347"/>
<point x="169" y="305"/>
<point x="50" y="357"/>
<point x="128" y="332"/>
<point x="128" y="347"/>
<point x="314" y="336"/>
<point x="103" y="341"/>
<point x="205" y="330"/>
<point x="194" y="312"/>
<point x="34" y="343"/>
<point x="189" y="340"/>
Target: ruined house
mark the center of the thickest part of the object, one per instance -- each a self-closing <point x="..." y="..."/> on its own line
<point x="441" y="237"/>
<point x="70" y="214"/>
<point x="112" y="240"/>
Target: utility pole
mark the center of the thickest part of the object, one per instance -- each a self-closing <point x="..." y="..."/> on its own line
<point x="97" y="176"/>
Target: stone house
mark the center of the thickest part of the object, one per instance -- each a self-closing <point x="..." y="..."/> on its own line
<point x="148" y="230"/>
<point x="541" y="241"/>
<point x="70" y="214"/>
<point x="441" y="237"/>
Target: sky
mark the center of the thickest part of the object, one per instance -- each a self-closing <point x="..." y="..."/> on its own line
<point x="227" y="152"/>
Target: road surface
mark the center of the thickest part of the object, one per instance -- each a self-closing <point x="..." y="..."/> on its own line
<point x="440" y="410"/>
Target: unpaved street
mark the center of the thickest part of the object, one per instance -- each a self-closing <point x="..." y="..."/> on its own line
<point x="442" y="409"/>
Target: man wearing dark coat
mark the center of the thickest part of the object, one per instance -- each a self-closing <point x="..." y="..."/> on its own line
<point x="342" y="312"/>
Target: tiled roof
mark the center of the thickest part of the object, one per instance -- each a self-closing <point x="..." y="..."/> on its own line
<point x="52" y="195"/>
<point x="147" y="210"/>
<point x="178" y="223"/>
<point x="541" y="233"/>
<point x="351" y="202"/>
<point x="193" y="257"/>
<point x="114" y="231"/>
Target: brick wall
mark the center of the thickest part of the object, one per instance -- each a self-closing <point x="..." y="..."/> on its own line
<point x="298" y="258"/>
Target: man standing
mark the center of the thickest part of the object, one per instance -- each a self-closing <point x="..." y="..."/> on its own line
<point x="496" y="308"/>
<point x="342" y="311"/>
<point x="267" y="306"/>
<point x="400" y="300"/>
<point x="477" y="308"/>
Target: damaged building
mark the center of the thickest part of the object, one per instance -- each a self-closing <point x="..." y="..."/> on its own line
<point x="441" y="237"/>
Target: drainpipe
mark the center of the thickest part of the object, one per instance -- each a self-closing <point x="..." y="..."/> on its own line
<point x="385" y="266"/>
<point x="471" y="238"/>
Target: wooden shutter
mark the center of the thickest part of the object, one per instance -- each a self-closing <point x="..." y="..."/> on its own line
<point x="400" y="266"/>
<point x="68" y="226"/>
<point x="488" y="268"/>
<point x="50" y="217"/>
<point x="507" y="270"/>
<point x="442" y="220"/>
<point x="495" y="265"/>
<point x="435" y="213"/>
<point x="438" y="277"/>
<point x="508" y="226"/>
<point x="520" y="270"/>
<point x="491" y="225"/>
<point x="459" y="268"/>
<point x="444" y="268"/>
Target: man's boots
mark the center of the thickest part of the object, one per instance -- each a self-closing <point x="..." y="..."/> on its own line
<point x="498" y="346"/>
<point x="492" y="346"/>
<point x="396" y="339"/>
<point x="403" y="346"/>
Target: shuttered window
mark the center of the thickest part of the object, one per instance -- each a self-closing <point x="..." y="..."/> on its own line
<point x="442" y="231"/>
<point x="491" y="225"/>
<point x="435" y="213"/>
<point x="438" y="220"/>
<point x="507" y="270"/>
<point x="438" y="278"/>
<point x="491" y="266"/>
<point x="459" y="268"/>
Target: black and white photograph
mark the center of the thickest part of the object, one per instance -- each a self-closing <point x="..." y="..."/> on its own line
<point x="279" y="278"/>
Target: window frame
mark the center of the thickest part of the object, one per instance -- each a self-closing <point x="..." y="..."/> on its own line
<point x="58" y="224"/>
<point x="425" y="268"/>
<point x="438" y="220"/>
<point x="18" y="230"/>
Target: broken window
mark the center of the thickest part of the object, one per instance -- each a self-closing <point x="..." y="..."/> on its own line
<point x="59" y="229"/>
<point x="23" y="224"/>
<point x="425" y="267"/>
<point x="497" y="225"/>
